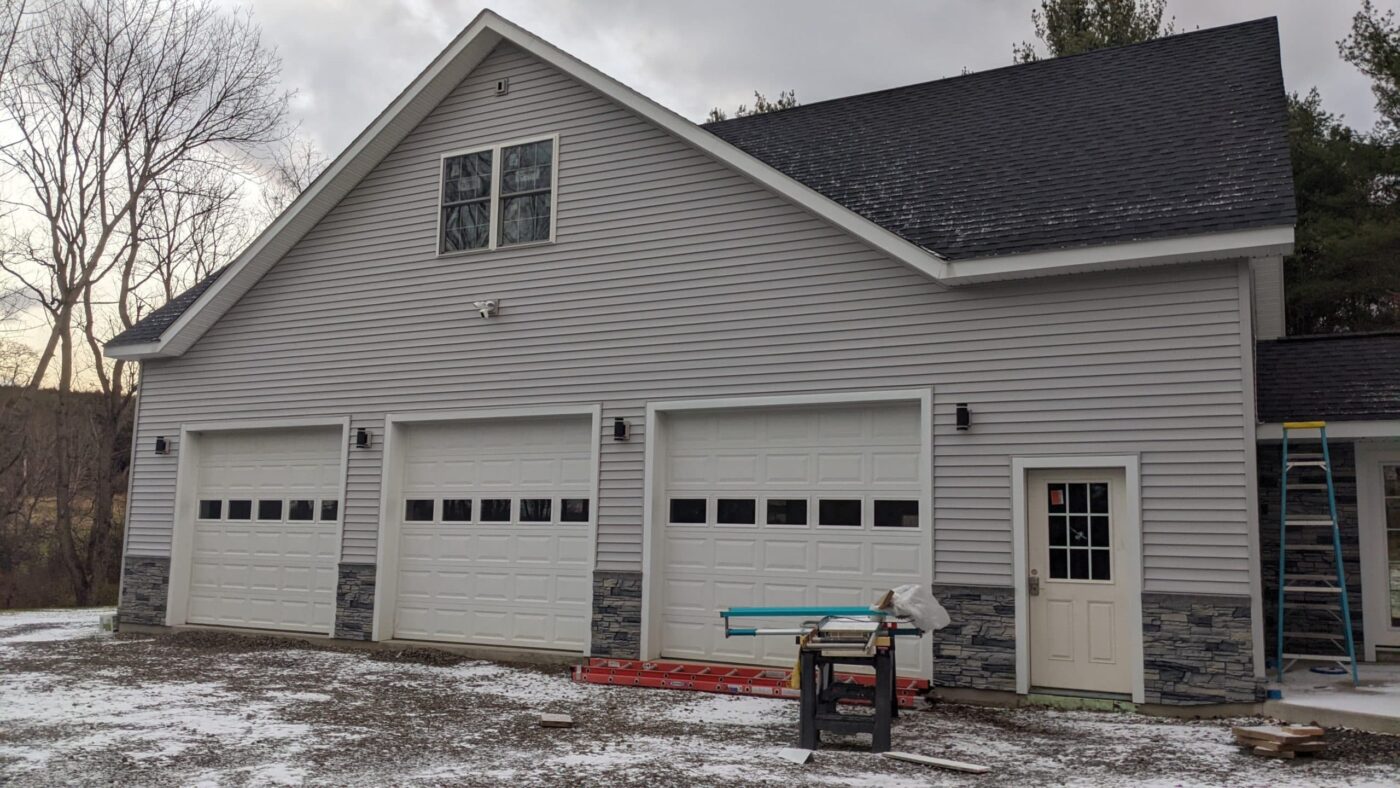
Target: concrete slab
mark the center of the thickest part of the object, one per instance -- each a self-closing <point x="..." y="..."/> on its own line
<point x="1331" y="700"/>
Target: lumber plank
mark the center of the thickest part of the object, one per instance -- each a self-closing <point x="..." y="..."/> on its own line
<point x="1276" y="733"/>
<point x="941" y="763"/>
<point x="1275" y="754"/>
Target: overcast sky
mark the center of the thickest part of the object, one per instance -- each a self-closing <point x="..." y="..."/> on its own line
<point x="348" y="58"/>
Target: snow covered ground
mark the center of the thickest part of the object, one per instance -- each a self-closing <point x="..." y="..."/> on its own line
<point x="79" y="706"/>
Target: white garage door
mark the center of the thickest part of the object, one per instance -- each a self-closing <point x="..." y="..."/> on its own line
<point x="494" y="544"/>
<point x="811" y="506"/>
<point x="266" y="531"/>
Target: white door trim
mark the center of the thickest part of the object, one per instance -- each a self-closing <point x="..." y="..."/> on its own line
<point x="1375" y="617"/>
<point x="391" y="477"/>
<point x="655" y="448"/>
<point x="1132" y="542"/>
<point x="182" y="538"/>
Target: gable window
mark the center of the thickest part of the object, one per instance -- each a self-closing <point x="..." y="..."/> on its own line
<point x="498" y="196"/>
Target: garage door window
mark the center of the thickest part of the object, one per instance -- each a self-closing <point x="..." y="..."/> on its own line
<point x="787" y="511"/>
<point x="240" y="510"/>
<point x="330" y="511"/>
<point x="270" y="510"/>
<point x="456" y="510"/>
<point x="298" y="509"/>
<point x="687" y="510"/>
<point x="736" y="511"/>
<point x="418" y="510"/>
<point x="211" y="510"/>
<point x="839" y="512"/>
<point x="896" y="514"/>
<point x="495" y="510"/>
<point x="573" y="510"/>
<point x="535" y="510"/>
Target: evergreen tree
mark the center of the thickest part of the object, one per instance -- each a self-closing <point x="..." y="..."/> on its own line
<point x="1069" y="27"/>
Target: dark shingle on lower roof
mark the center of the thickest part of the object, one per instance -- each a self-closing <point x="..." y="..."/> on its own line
<point x="1178" y="136"/>
<point x="1337" y="378"/>
<point x="153" y="325"/>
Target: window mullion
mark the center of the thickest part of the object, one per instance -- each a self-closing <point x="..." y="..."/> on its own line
<point x="495" y="196"/>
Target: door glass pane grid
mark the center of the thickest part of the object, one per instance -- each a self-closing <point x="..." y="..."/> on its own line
<point x="459" y="511"/>
<point x="1079" y="531"/>
<point x="1391" y="476"/>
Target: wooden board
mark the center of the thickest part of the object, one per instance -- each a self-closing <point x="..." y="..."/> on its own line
<point x="942" y="763"/>
<point x="1273" y="754"/>
<point x="1281" y="734"/>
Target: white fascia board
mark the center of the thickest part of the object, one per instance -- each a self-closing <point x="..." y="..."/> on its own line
<point x="135" y="351"/>
<point x="415" y="103"/>
<point x="1260" y="242"/>
<point x="1351" y="430"/>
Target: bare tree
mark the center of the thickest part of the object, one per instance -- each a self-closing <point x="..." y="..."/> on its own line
<point x="122" y="109"/>
<point x="292" y="166"/>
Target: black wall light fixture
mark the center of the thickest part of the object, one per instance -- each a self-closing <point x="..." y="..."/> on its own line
<point x="361" y="438"/>
<point x="620" y="430"/>
<point x="162" y="445"/>
<point x="964" y="417"/>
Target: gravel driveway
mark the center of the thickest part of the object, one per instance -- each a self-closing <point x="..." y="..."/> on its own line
<point x="82" y="707"/>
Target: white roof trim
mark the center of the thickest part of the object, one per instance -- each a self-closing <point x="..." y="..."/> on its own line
<point x="475" y="42"/>
<point x="1377" y="428"/>
<point x="1263" y="242"/>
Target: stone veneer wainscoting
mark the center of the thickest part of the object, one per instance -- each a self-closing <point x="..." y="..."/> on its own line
<point x="978" y="649"/>
<point x="145" y="588"/>
<point x="1198" y="649"/>
<point x="617" y="614"/>
<point x="354" y="601"/>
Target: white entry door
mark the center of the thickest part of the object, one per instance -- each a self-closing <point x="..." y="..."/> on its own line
<point x="787" y="507"/>
<point x="494" y="532"/>
<point x="266" y="529"/>
<point x="1079" y="594"/>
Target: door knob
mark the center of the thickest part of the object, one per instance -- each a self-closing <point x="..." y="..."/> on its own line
<point x="1033" y="585"/>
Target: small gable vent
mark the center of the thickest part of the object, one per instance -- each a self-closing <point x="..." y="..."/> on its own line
<point x="502" y="86"/>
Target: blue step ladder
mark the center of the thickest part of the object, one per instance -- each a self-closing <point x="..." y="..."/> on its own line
<point x="1323" y="591"/>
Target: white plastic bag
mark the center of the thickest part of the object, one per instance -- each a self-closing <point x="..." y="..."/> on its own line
<point x="916" y="603"/>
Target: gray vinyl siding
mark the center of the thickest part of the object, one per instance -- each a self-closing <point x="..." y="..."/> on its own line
<point x="675" y="277"/>
<point x="1269" y="302"/>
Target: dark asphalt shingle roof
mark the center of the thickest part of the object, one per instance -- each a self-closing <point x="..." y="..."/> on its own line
<point x="1182" y="135"/>
<point x="153" y="325"/>
<point x="1336" y="378"/>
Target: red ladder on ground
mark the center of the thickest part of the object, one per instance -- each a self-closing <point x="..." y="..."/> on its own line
<point x="722" y="679"/>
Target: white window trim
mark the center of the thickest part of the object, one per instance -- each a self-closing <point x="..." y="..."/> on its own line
<point x="1131" y="543"/>
<point x="494" y="241"/>
<point x="1370" y="514"/>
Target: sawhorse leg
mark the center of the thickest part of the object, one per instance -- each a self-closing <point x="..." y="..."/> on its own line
<point x="808" y="738"/>
<point x="884" y="701"/>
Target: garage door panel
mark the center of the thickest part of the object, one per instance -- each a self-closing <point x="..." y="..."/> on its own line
<point x="684" y="551"/>
<point x="864" y="453"/>
<point x="842" y="558"/>
<point x="574" y="549"/>
<point x="899" y="468"/>
<point x="510" y="583"/>
<point x="784" y="555"/>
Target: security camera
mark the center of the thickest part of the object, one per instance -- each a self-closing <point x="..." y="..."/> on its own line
<point x="487" y="309"/>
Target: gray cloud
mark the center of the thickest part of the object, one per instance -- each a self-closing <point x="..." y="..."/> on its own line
<point x="348" y="58"/>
